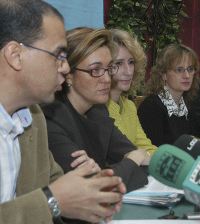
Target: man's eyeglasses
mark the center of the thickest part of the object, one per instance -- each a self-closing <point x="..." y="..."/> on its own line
<point x="97" y="72"/>
<point x="181" y="70"/>
<point x="61" y="56"/>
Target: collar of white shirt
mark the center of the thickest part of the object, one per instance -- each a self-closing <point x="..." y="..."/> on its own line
<point x="16" y="123"/>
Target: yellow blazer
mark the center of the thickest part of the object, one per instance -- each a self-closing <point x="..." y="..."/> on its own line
<point x="126" y="119"/>
<point x="37" y="170"/>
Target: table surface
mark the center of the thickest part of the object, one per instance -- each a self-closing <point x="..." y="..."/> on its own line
<point x="130" y="211"/>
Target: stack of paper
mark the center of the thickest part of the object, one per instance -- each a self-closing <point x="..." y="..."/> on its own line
<point x="155" y="193"/>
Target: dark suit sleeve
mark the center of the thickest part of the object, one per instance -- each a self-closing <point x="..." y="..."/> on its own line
<point x="133" y="176"/>
<point x="61" y="145"/>
<point x="119" y="145"/>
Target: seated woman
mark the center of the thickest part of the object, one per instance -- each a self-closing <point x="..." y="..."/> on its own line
<point x="165" y="113"/>
<point x="78" y="119"/>
<point x="131" y="60"/>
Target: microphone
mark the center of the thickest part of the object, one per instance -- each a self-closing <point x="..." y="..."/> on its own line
<point x="170" y="165"/>
<point x="189" y="144"/>
<point x="176" y="168"/>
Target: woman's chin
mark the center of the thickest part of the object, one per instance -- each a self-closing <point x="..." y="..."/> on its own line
<point x="125" y="86"/>
<point x="102" y="100"/>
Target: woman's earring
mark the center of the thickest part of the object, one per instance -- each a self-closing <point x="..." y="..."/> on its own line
<point x="69" y="85"/>
<point x="164" y="79"/>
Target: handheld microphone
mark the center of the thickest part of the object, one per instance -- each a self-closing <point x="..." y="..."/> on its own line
<point x="176" y="168"/>
<point x="189" y="144"/>
<point x="170" y="165"/>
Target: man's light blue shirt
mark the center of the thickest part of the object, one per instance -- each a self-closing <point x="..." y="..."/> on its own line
<point x="10" y="156"/>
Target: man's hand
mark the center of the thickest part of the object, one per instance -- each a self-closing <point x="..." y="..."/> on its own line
<point x="91" y="199"/>
<point x="119" y="188"/>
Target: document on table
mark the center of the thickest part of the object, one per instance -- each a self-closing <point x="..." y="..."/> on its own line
<point x="157" y="221"/>
<point x="154" y="194"/>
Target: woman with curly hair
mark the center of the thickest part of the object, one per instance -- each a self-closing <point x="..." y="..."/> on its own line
<point x="131" y="60"/>
<point x="174" y="83"/>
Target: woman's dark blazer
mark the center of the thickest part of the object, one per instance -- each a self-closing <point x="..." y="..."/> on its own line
<point x="95" y="133"/>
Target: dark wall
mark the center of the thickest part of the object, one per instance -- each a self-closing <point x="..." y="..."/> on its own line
<point x="107" y="5"/>
<point x="190" y="31"/>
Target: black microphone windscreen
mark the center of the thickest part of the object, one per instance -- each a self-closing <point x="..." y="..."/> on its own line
<point x="189" y="144"/>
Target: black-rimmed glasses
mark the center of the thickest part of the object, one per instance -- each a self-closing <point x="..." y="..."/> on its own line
<point x="61" y="56"/>
<point x="181" y="70"/>
<point x="97" y="72"/>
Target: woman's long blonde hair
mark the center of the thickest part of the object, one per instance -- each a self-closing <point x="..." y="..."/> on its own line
<point x="131" y="43"/>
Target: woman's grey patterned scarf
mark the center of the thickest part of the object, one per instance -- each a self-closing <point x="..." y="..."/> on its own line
<point x="172" y="107"/>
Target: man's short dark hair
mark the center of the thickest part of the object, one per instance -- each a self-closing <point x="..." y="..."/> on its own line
<point x="21" y="20"/>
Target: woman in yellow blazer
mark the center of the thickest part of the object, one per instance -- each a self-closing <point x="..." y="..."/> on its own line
<point x="131" y="60"/>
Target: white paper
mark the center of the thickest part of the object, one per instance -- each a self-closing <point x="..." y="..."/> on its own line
<point x="155" y="186"/>
<point x="154" y="194"/>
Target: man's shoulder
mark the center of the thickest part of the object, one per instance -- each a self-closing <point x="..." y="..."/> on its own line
<point x="36" y="113"/>
<point x="35" y="109"/>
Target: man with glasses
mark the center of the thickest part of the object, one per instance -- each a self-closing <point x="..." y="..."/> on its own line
<point x="33" y="64"/>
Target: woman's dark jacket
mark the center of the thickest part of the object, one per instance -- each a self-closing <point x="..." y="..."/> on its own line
<point x="95" y="133"/>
